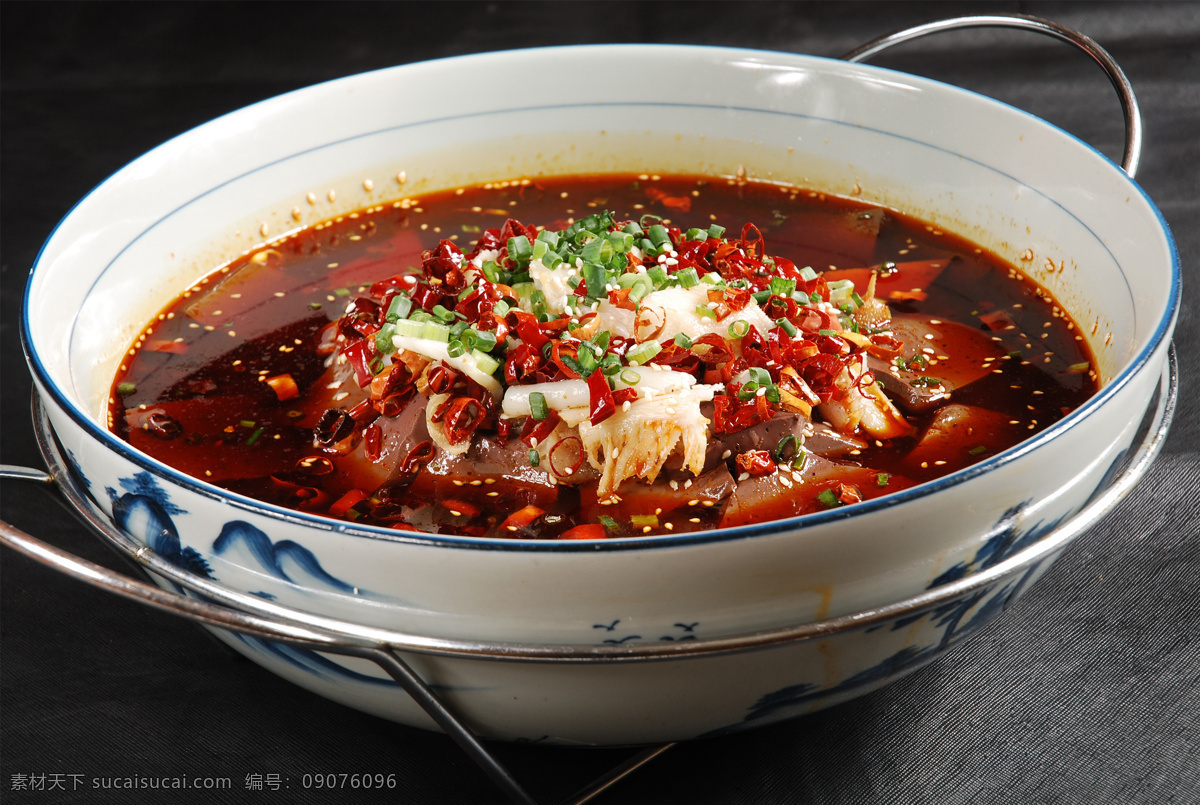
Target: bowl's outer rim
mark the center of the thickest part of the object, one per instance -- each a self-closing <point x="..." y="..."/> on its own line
<point x="1133" y="367"/>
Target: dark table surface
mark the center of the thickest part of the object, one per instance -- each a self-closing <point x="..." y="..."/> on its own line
<point x="1086" y="691"/>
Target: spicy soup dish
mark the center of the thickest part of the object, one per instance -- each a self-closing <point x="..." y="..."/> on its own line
<point x="747" y="346"/>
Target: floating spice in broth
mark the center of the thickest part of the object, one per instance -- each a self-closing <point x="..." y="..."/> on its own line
<point x="599" y="356"/>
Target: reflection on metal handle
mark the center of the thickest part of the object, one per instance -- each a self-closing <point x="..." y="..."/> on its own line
<point x="1129" y="105"/>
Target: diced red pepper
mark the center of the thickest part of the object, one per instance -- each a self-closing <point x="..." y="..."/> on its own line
<point x="522" y="518"/>
<point x="460" y="507"/>
<point x="627" y="394"/>
<point x="585" y="531"/>
<point x="284" y="386"/>
<point x="347" y="502"/>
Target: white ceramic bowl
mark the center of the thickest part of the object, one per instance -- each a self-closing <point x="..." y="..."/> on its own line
<point x="1016" y="185"/>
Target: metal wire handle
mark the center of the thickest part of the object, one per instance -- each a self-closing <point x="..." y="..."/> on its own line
<point x="1129" y="105"/>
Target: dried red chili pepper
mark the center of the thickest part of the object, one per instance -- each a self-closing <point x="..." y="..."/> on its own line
<point x="520" y="365"/>
<point x="601" y="404"/>
<point x="535" y="430"/>
<point x="821" y="372"/>
<point x="756" y="463"/>
<point x="576" y="458"/>
<point x="420" y="455"/>
<point x="333" y="426"/>
<point x="373" y="441"/>
<point x="443" y="266"/>
<point x="460" y="419"/>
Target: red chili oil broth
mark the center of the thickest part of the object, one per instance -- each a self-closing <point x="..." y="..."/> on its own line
<point x="194" y="392"/>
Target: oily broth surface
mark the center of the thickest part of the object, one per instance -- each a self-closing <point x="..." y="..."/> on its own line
<point x="206" y="357"/>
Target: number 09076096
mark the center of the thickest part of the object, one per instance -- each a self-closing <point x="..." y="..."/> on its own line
<point x="333" y="780"/>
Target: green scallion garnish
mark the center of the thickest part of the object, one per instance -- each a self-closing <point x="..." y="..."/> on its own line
<point x="538" y="408"/>
<point x="739" y="328"/>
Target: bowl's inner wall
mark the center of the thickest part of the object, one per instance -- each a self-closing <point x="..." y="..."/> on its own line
<point x="1034" y="195"/>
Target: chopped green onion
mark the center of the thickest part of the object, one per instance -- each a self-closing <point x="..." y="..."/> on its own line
<point x="713" y="278"/>
<point x="657" y="275"/>
<point x="519" y="249"/>
<point x="247" y="423"/>
<point x="442" y="313"/>
<point x="759" y="375"/>
<point x="643" y="352"/>
<point x="608" y="522"/>
<point x="827" y="332"/>
<point x="483" y="340"/>
<point x="456" y="349"/>
<point x="1080" y="368"/>
<point x="807" y="274"/>
<point x="787" y="326"/>
<point x="434" y="331"/>
<point x="538" y="409"/>
<point x="687" y="277"/>
<point x="125" y="389"/>
<point x="534" y="458"/>
<point x="640" y="288"/>
<point x="739" y="328"/>
<point x="715" y="230"/>
<point x="254" y="437"/>
<point x="551" y="260"/>
<point x="485" y="362"/>
<point x="539" y="249"/>
<point x="683" y="340"/>
<point x="782" y="286"/>
<point x="643" y="520"/>
<point x="798" y="461"/>
<point x="829" y="499"/>
<point x="977" y="450"/>
<point x="696" y="234"/>
<point x="537" y="303"/>
<point x="881" y="479"/>
<point x="705" y="311"/>
<point x="761" y="297"/>
<point x="383" y="339"/>
<point x="659" y="235"/>
<point x="781" y="453"/>
<point x="596" y="278"/>
<point x="400" y="307"/>
<point x="410" y="328"/>
<point x="629" y="377"/>
<point x="549" y="237"/>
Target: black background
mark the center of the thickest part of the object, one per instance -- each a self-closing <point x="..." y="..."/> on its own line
<point x="1086" y="691"/>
